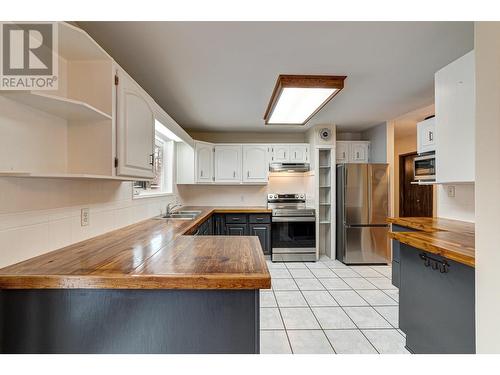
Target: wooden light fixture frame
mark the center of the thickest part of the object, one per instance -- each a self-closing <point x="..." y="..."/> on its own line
<point x="303" y="81"/>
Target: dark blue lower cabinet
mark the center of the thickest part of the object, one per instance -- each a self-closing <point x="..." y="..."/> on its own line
<point x="396" y="255"/>
<point x="436" y="303"/>
<point x="99" y="321"/>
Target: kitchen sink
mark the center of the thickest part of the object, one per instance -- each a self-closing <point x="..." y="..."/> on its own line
<point x="182" y="212"/>
<point x="183" y="215"/>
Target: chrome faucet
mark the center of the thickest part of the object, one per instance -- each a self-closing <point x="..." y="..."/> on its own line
<point x="170" y="207"/>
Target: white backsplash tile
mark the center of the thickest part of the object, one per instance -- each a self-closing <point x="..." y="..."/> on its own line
<point x="41" y="215"/>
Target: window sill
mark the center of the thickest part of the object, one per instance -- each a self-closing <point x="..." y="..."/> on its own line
<point x="152" y="195"/>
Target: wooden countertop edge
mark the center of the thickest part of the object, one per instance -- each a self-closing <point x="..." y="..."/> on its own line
<point x="219" y="281"/>
<point x="145" y="282"/>
<point x="409" y="238"/>
<point x="409" y="224"/>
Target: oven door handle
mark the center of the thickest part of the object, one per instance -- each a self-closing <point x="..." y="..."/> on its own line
<point x="283" y="219"/>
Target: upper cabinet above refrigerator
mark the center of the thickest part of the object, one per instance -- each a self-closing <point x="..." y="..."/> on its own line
<point x="352" y="151"/>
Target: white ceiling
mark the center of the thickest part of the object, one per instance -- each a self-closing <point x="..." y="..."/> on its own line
<point x="218" y="76"/>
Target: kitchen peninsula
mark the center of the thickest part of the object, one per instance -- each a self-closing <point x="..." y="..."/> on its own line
<point x="433" y="266"/>
<point x="146" y="288"/>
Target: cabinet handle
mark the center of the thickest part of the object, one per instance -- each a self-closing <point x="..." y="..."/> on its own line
<point x="343" y="154"/>
<point x="295" y="153"/>
<point x="201" y="173"/>
<point x="234" y="174"/>
<point x="152" y="159"/>
<point x="248" y="173"/>
<point x="357" y="155"/>
<point x="236" y="218"/>
<point x="431" y="136"/>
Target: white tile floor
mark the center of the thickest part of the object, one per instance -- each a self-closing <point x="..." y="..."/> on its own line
<point x="328" y="307"/>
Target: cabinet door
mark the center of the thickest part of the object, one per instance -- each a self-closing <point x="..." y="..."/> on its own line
<point x="219" y="225"/>
<point x="299" y="153"/>
<point x="426" y="136"/>
<point x="359" y="152"/>
<point x="280" y="153"/>
<point x="263" y="231"/>
<point x="135" y="130"/>
<point x="204" y="162"/>
<point x="342" y="152"/>
<point x="236" y="229"/>
<point x="255" y="163"/>
<point x="227" y="163"/>
<point x="455" y="121"/>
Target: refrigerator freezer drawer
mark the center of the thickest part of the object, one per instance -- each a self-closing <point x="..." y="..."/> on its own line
<point x="366" y="245"/>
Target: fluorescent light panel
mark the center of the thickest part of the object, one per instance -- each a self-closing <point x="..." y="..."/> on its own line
<point x="162" y="129"/>
<point x="296" y="104"/>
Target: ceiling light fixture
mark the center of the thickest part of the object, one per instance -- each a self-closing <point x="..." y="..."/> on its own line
<point x="297" y="98"/>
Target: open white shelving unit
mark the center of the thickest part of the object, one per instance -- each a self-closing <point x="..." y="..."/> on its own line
<point x="325" y="181"/>
<point x="68" y="132"/>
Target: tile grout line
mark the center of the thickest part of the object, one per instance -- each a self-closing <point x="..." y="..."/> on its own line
<point x="281" y="316"/>
<point x="353" y="322"/>
<point x="391" y="326"/>
<point x="315" y="317"/>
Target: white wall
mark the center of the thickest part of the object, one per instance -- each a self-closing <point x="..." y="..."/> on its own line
<point x="459" y="207"/>
<point x="487" y="47"/>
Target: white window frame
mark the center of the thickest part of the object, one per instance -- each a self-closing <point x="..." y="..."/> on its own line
<point x="167" y="183"/>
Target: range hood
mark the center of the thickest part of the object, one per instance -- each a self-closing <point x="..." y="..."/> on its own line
<point x="289" y="167"/>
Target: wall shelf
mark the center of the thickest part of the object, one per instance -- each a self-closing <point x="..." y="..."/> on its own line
<point x="81" y="176"/>
<point x="59" y="106"/>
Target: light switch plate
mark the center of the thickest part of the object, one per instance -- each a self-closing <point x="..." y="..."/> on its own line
<point x="85" y="217"/>
<point x="451" y="191"/>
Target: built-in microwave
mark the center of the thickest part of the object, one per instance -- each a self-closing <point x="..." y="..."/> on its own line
<point x="424" y="167"/>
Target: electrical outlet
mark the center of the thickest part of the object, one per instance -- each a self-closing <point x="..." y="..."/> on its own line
<point x="451" y="191"/>
<point x="85" y="217"/>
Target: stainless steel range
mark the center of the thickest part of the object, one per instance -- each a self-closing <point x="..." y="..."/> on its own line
<point x="293" y="235"/>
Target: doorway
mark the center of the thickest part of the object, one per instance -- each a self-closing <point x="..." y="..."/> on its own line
<point x="414" y="200"/>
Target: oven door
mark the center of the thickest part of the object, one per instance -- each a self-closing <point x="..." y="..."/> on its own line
<point x="425" y="168"/>
<point x="293" y="234"/>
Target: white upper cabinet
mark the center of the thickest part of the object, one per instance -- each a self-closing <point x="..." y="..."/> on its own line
<point x="299" y="153"/>
<point x="342" y="152"/>
<point x="204" y="158"/>
<point x="280" y="153"/>
<point x="135" y="129"/>
<point x="255" y="163"/>
<point x="359" y="152"/>
<point x="289" y="153"/>
<point x="352" y="151"/>
<point x="227" y="163"/>
<point x="426" y="138"/>
<point x="455" y="121"/>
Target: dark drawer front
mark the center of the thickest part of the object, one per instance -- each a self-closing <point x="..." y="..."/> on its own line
<point x="259" y="218"/>
<point x="236" y="218"/>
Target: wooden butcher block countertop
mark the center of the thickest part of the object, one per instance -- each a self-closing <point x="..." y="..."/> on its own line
<point x="152" y="254"/>
<point x="451" y="239"/>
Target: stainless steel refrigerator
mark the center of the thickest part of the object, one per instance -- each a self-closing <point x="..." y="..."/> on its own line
<point x="362" y="209"/>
